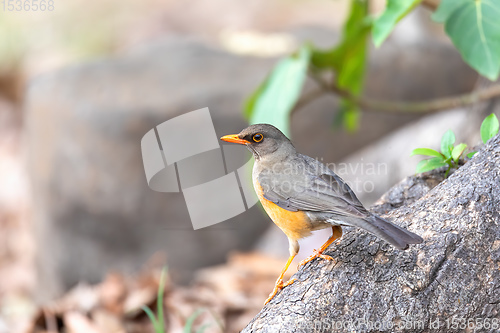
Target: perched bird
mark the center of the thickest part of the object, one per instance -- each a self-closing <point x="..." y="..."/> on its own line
<point x="300" y="195"/>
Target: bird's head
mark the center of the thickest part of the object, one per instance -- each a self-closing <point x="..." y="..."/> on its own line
<point x="263" y="140"/>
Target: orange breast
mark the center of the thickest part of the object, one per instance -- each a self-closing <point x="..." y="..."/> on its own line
<point x="295" y="225"/>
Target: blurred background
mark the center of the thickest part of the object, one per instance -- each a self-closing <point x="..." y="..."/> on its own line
<point x="82" y="237"/>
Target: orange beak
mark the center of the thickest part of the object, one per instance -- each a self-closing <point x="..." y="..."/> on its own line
<point x="234" y="138"/>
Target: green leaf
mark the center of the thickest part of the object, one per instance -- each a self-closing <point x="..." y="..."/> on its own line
<point x="152" y="318"/>
<point x="348" y="116"/>
<point x="158" y="321"/>
<point x="427" y="152"/>
<point x="273" y="100"/>
<point x="447" y="142"/>
<point x="351" y="118"/>
<point x="348" y="60"/>
<point x="188" y="327"/>
<point x="472" y="153"/>
<point x="489" y="127"/>
<point x="394" y="12"/>
<point x="430" y="164"/>
<point x="474" y="28"/>
<point x="346" y="56"/>
<point x="446" y="9"/>
<point x="457" y="151"/>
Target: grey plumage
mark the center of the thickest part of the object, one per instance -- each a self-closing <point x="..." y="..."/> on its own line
<point x="298" y="182"/>
<point x="301" y="195"/>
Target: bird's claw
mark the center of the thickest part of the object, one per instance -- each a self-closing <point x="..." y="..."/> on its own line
<point x="277" y="287"/>
<point x="317" y="254"/>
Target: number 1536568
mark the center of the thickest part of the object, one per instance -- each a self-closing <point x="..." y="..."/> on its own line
<point x="27" y="5"/>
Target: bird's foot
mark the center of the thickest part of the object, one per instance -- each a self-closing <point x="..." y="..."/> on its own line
<point x="317" y="254"/>
<point x="277" y="287"/>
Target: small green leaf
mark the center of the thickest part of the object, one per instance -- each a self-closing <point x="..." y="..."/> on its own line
<point x="430" y="164"/>
<point x="474" y="28"/>
<point x="274" y="100"/>
<point x="457" y="151"/>
<point x="188" y="327"/>
<point x="158" y="321"/>
<point x="472" y="153"/>
<point x="152" y="318"/>
<point x="394" y="12"/>
<point x="427" y="152"/>
<point x="489" y="127"/>
<point x="447" y="142"/>
<point x="348" y="116"/>
<point x="351" y="118"/>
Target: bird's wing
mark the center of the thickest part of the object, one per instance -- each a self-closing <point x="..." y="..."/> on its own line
<point x="314" y="189"/>
<point x="319" y="190"/>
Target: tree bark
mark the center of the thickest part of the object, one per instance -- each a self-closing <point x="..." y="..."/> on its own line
<point x="448" y="283"/>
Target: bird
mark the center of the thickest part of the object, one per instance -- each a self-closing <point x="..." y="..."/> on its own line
<point x="300" y="194"/>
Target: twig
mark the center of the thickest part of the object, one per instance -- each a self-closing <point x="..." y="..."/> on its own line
<point x="434" y="105"/>
<point x="429" y="106"/>
<point x="431" y="4"/>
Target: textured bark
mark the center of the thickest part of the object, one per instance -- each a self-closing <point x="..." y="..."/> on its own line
<point x="451" y="280"/>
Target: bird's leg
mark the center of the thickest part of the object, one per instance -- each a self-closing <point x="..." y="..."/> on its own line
<point x="336" y="234"/>
<point x="294" y="249"/>
<point x="279" y="283"/>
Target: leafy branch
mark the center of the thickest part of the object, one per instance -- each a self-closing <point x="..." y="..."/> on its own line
<point x="471" y="25"/>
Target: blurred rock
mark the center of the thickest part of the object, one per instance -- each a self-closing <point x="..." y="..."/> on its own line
<point x="93" y="210"/>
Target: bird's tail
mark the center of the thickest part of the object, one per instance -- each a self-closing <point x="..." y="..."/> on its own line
<point x="391" y="233"/>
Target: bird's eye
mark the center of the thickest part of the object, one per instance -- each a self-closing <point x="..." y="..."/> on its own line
<point x="257" y="137"/>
